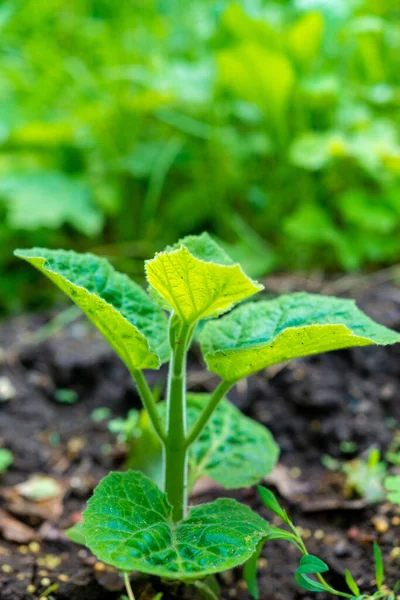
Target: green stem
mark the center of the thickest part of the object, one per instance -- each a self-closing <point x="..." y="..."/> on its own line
<point x="149" y="403"/>
<point x="175" y="451"/>
<point x="128" y="587"/>
<point x="222" y="388"/>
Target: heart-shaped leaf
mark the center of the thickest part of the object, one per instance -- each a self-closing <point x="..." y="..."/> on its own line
<point x="128" y="524"/>
<point x="257" y="335"/>
<point x="128" y="318"/>
<point x="232" y="449"/>
<point x="197" y="280"/>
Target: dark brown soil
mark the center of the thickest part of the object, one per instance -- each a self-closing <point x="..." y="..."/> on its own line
<point x="312" y="406"/>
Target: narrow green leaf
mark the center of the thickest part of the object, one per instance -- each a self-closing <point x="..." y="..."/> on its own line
<point x="197" y="280"/>
<point x="270" y="501"/>
<point x="379" y="570"/>
<point x="353" y="587"/>
<point x="232" y="449"/>
<point x="281" y="534"/>
<point x="127" y="317"/>
<point x="128" y="524"/>
<point x="257" y="335"/>
<point x="250" y="572"/>
<point x="75" y="534"/>
<point x="392" y="484"/>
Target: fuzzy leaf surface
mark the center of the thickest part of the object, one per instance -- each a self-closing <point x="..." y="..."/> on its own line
<point x="128" y="524"/>
<point x="128" y="318"/>
<point x="232" y="449"/>
<point x="259" y="334"/>
<point x="197" y="280"/>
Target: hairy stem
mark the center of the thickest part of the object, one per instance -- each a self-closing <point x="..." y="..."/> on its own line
<point x="149" y="403"/>
<point x="128" y="587"/>
<point x="175" y="450"/>
<point x="222" y="388"/>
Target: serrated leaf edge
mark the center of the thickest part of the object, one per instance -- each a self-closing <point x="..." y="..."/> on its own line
<point x="80" y="287"/>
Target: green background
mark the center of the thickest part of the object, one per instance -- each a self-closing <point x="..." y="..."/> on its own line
<point x="274" y="125"/>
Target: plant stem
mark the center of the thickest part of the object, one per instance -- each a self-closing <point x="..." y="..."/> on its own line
<point x="175" y="450"/>
<point x="149" y="403"/>
<point x="222" y="388"/>
<point x="128" y="587"/>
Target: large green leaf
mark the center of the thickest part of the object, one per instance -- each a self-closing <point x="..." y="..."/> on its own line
<point x="128" y="524"/>
<point x="127" y="317"/>
<point x="258" y="335"/>
<point x="232" y="449"/>
<point x="197" y="279"/>
<point x="49" y="199"/>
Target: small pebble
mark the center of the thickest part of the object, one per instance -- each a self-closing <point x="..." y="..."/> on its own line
<point x="99" y="567"/>
<point x="395" y="553"/>
<point x="262" y="563"/>
<point x="43" y="573"/>
<point x="63" y="577"/>
<point x="31" y="589"/>
<point x="295" y="472"/>
<point x="23" y="549"/>
<point x="232" y="593"/>
<point x="307" y="533"/>
<point x="395" y="521"/>
<point x="34" y="547"/>
<point x="7" y="389"/>
<point x="45" y="582"/>
<point x="6" y="569"/>
<point x="21" y="576"/>
<point x="381" y="524"/>
<point x="319" y="534"/>
<point x="341" y="549"/>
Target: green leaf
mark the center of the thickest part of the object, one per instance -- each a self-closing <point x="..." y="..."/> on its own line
<point x="281" y="534"/>
<point x="127" y="317"/>
<point x="49" y="199"/>
<point x="270" y="501"/>
<point x="353" y="587"/>
<point x="379" y="570"/>
<point x="392" y="484"/>
<point x="257" y="335"/>
<point x="197" y="280"/>
<point x="310" y="564"/>
<point x="6" y="459"/>
<point x="75" y="534"/>
<point x="232" y="449"/>
<point x="128" y="524"/>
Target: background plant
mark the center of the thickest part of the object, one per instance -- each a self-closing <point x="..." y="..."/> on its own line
<point x="273" y="124"/>
<point x="141" y="523"/>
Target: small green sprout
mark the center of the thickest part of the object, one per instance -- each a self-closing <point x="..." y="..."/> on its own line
<point x="66" y="396"/>
<point x="365" y="477"/>
<point x="137" y="522"/>
<point x="6" y="459"/>
<point x="126" y="429"/>
<point x="309" y="573"/>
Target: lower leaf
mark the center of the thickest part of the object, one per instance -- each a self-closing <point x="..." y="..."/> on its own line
<point x="128" y="524"/>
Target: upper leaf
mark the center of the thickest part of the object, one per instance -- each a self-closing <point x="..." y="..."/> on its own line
<point x="128" y="524"/>
<point x="261" y="334"/>
<point x="232" y="449"/>
<point x="197" y="279"/>
<point x="127" y="317"/>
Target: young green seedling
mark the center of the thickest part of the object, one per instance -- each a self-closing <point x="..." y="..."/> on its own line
<point x="312" y="565"/>
<point x="131" y="522"/>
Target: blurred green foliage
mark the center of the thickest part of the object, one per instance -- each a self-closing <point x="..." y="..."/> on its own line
<point x="125" y="125"/>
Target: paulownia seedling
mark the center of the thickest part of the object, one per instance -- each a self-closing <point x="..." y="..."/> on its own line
<point x="131" y="522"/>
<point x="310" y="565"/>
